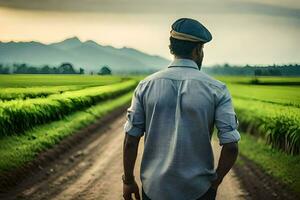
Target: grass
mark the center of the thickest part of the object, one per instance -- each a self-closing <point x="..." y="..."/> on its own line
<point x="37" y="80"/>
<point x="17" y="150"/>
<point x="264" y="80"/>
<point x="284" y="95"/>
<point x="283" y="167"/>
<point x="8" y="94"/>
<point x="278" y="124"/>
<point x="270" y="110"/>
<point x="17" y="116"/>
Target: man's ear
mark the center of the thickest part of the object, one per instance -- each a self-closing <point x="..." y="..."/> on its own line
<point x="195" y="52"/>
<point x="200" y="48"/>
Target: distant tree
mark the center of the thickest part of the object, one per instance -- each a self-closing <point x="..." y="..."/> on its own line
<point x="226" y="65"/>
<point x="81" y="71"/>
<point x="274" y="72"/>
<point x="32" y="70"/>
<point x="46" y="70"/>
<point x="257" y="72"/>
<point x="66" y="68"/>
<point x="4" y="70"/>
<point x="105" y="70"/>
<point x="20" y="68"/>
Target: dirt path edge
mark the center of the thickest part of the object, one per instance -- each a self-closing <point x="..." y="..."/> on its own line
<point x="10" y="179"/>
<point x="259" y="184"/>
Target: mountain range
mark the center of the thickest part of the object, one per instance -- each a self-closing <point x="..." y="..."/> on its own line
<point x="88" y="55"/>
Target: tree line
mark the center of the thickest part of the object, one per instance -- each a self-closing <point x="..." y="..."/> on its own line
<point x="226" y="69"/>
<point x="64" y="68"/>
<point x="251" y="70"/>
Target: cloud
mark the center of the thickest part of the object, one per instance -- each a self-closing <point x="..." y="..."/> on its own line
<point x="267" y="9"/>
<point x="159" y="7"/>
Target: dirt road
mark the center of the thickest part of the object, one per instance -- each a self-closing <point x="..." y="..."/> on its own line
<point x="93" y="171"/>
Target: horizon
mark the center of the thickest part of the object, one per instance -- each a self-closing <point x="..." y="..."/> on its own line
<point x="204" y="65"/>
<point x="82" y="41"/>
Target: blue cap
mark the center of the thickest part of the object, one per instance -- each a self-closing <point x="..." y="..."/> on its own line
<point x="190" y="30"/>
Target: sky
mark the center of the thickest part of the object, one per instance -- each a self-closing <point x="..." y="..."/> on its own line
<point x="244" y="31"/>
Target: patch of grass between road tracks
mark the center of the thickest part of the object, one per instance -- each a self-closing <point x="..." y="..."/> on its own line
<point x="285" y="168"/>
<point x="17" y="150"/>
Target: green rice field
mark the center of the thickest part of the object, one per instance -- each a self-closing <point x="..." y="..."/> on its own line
<point x="37" y="111"/>
<point x="269" y="122"/>
<point x="271" y="110"/>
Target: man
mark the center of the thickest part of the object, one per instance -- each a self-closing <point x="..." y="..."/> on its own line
<point x="176" y="110"/>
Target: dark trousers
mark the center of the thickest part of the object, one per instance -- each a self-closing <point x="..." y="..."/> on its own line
<point x="209" y="195"/>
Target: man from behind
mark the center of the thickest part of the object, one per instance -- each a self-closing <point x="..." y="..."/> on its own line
<point x="176" y="110"/>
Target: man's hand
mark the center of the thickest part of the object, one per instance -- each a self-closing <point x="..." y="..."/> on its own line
<point x="128" y="190"/>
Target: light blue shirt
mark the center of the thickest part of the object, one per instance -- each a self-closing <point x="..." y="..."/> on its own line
<point x="176" y="110"/>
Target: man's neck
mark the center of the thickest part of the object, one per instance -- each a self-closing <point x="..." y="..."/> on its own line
<point x="189" y="58"/>
<point x="179" y="57"/>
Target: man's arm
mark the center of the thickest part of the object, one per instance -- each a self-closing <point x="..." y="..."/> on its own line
<point x="134" y="129"/>
<point x="130" y="150"/>
<point x="226" y="123"/>
<point x="227" y="159"/>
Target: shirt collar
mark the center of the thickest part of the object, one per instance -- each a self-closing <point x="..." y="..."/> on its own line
<point x="181" y="62"/>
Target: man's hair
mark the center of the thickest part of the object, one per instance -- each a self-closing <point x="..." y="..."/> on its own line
<point x="182" y="48"/>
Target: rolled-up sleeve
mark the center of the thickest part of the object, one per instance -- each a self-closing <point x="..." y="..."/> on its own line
<point x="226" y="120"/>
<point x="135" y="123"/>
